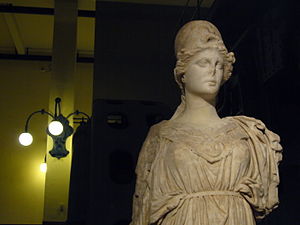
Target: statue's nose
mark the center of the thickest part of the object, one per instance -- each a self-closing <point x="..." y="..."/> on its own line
<point x="212" y="71"/>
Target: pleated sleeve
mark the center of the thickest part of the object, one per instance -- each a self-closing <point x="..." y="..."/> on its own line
<point x="261" y="190"/>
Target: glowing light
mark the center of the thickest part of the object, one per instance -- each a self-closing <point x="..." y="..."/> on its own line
<point x="25" y="139"/>
<point x="43" y="167"/>
<point x="55" y="128"/>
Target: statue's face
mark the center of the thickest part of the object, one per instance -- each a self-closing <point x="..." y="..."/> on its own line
<point x="204" y="74"/>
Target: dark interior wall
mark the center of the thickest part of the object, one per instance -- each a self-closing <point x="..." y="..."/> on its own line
<point x="134" y="52"/>
<point x="266" y="46"/>
<point x="264" y="35"/>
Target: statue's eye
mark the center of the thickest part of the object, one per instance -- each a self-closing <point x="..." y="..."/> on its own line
<point x="220" y="66"/>
<point x="203" y="62"/>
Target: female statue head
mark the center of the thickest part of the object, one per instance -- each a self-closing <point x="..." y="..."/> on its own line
<point x="195" y="37"/>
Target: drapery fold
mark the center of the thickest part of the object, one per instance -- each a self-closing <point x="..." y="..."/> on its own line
<point x="254" y="179"/>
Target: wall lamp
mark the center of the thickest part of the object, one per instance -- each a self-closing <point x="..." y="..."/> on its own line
<point x="58" y="129"/>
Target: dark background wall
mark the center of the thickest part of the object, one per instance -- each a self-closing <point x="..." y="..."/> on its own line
<point x="134" y="52"/>
<point x="135" y="61"/>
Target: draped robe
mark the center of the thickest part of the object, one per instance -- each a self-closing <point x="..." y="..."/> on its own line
<point x="225" y="175"/>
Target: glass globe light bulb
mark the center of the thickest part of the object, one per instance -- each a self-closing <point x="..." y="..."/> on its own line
<point x="55" y="128"/>
<point x="43" y="167"/>
<point x="25" y="139"/>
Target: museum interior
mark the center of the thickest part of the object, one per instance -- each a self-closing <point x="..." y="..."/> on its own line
<point x="105" y="70"/>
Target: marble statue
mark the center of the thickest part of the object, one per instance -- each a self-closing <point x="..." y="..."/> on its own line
<point x="198" y="168"/>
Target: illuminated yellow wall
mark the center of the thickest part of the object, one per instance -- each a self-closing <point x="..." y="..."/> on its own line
<point x="57" y="179"/>
<point x="24" y="88"/>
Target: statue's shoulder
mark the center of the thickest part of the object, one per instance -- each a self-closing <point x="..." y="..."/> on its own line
<point x="256" y="129"/>
<point x="155" y="129"/>
<point x="250" y="122"/>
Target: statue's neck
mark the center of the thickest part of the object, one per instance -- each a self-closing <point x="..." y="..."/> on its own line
<point x="199" y="110"/>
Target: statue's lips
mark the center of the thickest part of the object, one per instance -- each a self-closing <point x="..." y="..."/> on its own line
<point x="211" y="82"/>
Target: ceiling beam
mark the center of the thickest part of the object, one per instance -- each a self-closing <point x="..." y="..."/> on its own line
<point x="15" y="32"/>
<point x="80" y="59"/>
<point x="191" y="3"/>
<point x="39" y="10"/>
